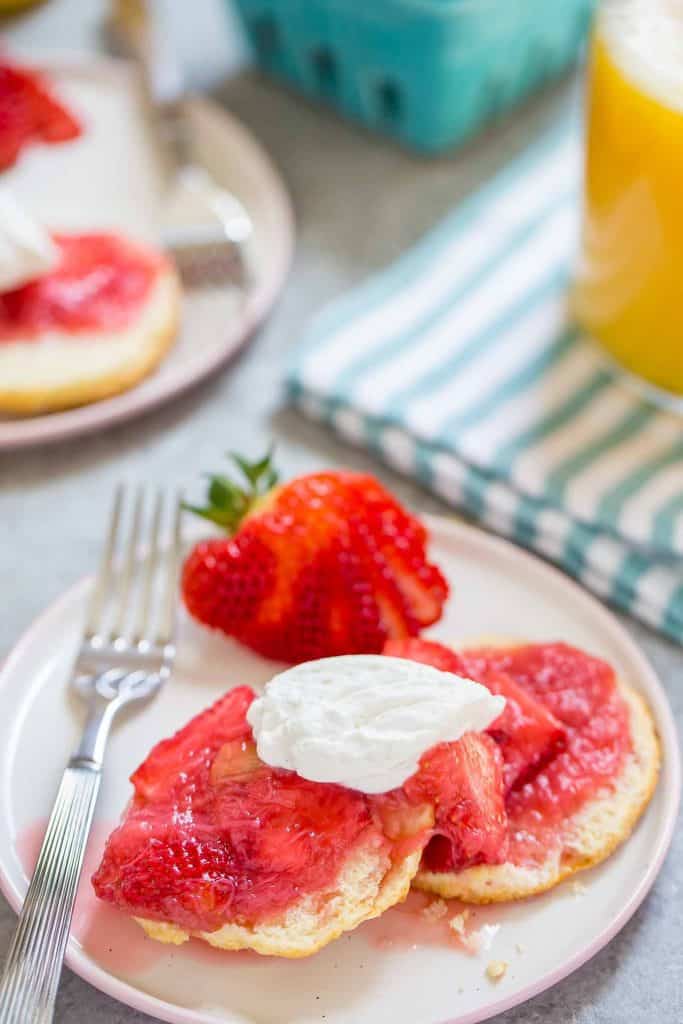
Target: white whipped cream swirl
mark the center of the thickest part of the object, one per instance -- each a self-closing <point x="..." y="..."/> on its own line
<point x="364" y="721"/>
<point x="26" y="249"/>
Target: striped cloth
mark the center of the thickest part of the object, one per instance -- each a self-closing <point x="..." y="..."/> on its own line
<point x="458" y="366"/>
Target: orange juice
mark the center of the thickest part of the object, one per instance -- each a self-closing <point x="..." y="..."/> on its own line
<point x="628" y="292"/>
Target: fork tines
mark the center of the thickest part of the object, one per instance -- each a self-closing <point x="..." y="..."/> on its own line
<point x="133" y="602"/>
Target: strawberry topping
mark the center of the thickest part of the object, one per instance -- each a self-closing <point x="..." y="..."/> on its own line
<point x="527" y="732"/>
<point x="564" y="733"/>
<point x="29" y="113"/>
<point x="580" y="692"/>
<point x="213" y="835"/>
<point x="471" y="822"/>
<point x="429" y="652"/>
<point x="100" y="283"/>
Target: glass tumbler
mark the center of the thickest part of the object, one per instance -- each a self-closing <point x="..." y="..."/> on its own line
<point x="628" y="289"/>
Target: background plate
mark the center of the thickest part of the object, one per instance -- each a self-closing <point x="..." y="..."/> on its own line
<point x="391" y="969"/>
<point x="112" y="178"/>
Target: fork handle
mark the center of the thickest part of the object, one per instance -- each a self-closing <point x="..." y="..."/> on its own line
<point x="28" y="987"/>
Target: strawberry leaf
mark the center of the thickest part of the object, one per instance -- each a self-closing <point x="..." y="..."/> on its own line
<point x="229" y="503"/>
<point x="213" y="515"/>
<point x="221" y="491"/>
<point x="260" y="474"/>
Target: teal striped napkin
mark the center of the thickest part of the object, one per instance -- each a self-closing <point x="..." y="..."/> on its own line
<point x="458" y="366"/>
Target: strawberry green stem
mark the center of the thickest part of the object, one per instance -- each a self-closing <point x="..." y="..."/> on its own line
<point x="228" y="503"/>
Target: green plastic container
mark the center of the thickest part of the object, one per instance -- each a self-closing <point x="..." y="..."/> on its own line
<point x="428" y="72"/>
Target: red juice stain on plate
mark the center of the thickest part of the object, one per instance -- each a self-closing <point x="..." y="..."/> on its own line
<point x="106" y="935"/>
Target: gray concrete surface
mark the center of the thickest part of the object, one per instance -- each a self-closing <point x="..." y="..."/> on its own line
<point x="359" y="202"/>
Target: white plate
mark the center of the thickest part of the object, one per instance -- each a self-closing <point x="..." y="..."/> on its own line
<point x="112" y="178"/>
<point x="385" y="970"/>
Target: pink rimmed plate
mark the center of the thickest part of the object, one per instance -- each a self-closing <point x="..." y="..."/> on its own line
<point x="398" y="968"/>
<point x="112" y="178"/>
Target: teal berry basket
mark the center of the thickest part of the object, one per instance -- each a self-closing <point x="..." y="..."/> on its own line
<point x="427" y="72"/>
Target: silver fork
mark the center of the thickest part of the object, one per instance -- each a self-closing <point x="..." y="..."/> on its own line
<point x="126" y="654"/>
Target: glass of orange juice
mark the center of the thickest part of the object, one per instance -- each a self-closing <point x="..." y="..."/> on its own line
<point x="628" y="290"/>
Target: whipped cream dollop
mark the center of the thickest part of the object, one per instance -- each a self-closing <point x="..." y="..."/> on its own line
<point x="364" y="721"/>
<point x="26" y="249"/>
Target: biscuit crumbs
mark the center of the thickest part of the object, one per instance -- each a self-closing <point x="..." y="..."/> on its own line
<point x="435" y="910"/>
<point x="496" y="970"/>
<point x="457" y="923"/>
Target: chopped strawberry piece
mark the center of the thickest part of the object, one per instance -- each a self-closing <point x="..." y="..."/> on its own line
<point x="471" y="821"/>
<point x="29" y="112"/>
<point x="568" y="681"/>
<point x="11" y="133"/>
<point x="527" y="732"/>
<point x="580" y="692"/>
<point x="192" y="750"/>
<point x="427" y="651"/>
<point x="54" y="123"/>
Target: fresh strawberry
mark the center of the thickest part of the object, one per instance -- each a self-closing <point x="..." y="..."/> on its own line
<point x="527" y="732"/>
<point x="329" y="563"/>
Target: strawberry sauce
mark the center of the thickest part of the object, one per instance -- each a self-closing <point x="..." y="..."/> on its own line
<point x="100" y="283"/>
<point x="580" y="691"/>
<point x="29" y="113"/>
<point x="213" y="835"/>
